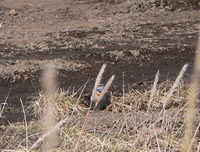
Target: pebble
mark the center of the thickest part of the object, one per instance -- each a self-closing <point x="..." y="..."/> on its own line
<point x="13" y="12"/>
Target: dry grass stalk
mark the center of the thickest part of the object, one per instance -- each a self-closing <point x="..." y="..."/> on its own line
<point x="175" y="85"/>
<point x="123" y="85"/>
<point x="153" y="90"/>
<point x="26" y="126"/>
<point x="192" y="101"/>
<point x="84" y="86"/>
<point x="4" y="104"/>
<point x="49" y="118"/>
<point x="97" y="83"/>
<point x="76" y="149"/>
<point x="193" y="139"/>
<point x="156" y="138"/>
<point x="103" y="144"/>
<point x="49" y="133"/>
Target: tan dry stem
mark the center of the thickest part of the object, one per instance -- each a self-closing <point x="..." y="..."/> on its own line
<point x="192" y="100"/>
<point x="153" y="90"/>
<point x="175" y="85"/>
<point x="49" y="133"/>
<point x="49" y="84"/>
<point x="97" y="83"/>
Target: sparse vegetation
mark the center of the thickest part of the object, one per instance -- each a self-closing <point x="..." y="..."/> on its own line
<point x="128" y="124"/>
<point x="132" y="111"/>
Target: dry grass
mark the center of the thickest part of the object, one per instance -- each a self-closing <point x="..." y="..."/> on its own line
<point x="133" y="122"/>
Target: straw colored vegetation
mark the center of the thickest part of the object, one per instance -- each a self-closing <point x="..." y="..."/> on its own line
<point x="150" y="120"/>
<point x="137" y="125"/>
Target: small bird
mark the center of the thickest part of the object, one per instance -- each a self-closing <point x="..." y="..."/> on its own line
<point x="99" y="99"/>
<point x="102" y="104"/>
<point x="99" y="90"/>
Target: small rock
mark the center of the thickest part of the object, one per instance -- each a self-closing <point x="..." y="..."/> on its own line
<point x="13" y="12"/>
<point x="127" y="53"/>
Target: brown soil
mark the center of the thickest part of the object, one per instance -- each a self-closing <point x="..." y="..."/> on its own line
<point x="134" y="38"/>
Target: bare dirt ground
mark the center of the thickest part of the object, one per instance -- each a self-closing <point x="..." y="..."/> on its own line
<point x="134" y="38"/>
